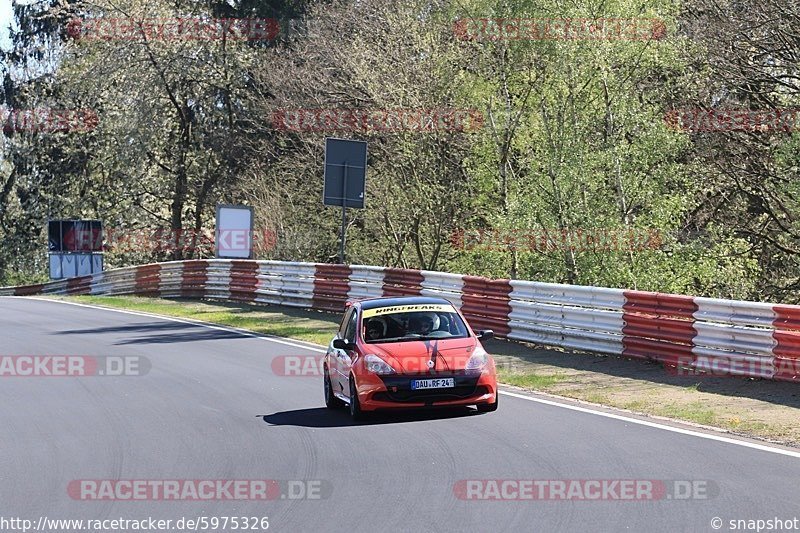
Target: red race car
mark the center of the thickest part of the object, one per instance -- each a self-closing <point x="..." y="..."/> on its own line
<point x="407" y="352"/>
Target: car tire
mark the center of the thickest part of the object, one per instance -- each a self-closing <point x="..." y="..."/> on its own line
<point x="331" y="401"/>
<point x="355" y="406"/>
<point x="489" y="407"/>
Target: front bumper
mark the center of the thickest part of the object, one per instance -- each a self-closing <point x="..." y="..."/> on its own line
<point x="394" y="391"/>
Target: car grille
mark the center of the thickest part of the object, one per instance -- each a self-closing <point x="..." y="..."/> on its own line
<point x="399" y="389"/>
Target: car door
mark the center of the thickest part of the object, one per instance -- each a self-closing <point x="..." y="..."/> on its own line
<point x="342" y="358"/>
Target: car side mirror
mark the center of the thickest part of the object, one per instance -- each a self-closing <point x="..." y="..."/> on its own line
<point x="486" y="334"/>
<point x="341" y="344"/>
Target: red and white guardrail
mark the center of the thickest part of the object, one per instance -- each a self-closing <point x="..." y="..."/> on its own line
<point x="721" y="336"/>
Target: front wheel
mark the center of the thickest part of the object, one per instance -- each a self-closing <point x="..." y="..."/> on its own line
<point x="489" y="407"/>
<point x="331" y="401"/>
<point x="355" y="406"/>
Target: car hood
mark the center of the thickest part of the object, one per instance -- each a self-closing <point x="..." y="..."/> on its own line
<point x="413" y="356"/>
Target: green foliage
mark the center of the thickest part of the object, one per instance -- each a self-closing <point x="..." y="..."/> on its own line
<point x="573" y="141"/>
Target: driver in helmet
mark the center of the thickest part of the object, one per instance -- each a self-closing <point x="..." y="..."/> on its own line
<point x="376" y="329"/>
<point x="423" y="323"/>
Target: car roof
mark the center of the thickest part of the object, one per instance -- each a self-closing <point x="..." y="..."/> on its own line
<point x="401" y="300"/>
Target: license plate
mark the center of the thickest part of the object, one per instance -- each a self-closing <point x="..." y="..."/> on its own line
<point x="438" y="383"/>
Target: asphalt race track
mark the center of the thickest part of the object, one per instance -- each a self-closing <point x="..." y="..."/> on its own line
<point x="211" y="408"/>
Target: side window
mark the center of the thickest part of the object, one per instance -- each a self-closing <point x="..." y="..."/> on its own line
<point x="345" y="322"/>
<point x="352" y="326"/>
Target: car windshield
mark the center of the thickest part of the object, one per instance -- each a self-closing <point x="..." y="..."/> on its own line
<point x="412" y="323"/>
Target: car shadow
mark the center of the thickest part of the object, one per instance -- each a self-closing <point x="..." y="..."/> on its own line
<point x="322" y="417"/>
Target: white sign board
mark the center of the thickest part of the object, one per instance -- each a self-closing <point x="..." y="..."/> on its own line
<point x="55" y="266"/>
<point x="70" y="265"/>
<point x="234" y="235"/>
<point x="84" y="264"/>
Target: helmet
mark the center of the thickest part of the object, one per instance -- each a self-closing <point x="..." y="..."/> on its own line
<point x="445" y="323"/>
<point x="376" y="328"/>
<point x="423" y="323"/>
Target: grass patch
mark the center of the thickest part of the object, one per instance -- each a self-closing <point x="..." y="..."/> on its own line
<point x="593" y="397"/>
<point x="694" y="412"/>
<point x="637" y="405"/>
<point x="529" y="380"/>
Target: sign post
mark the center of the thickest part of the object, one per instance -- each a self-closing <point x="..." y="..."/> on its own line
<point x="345" y="180"/>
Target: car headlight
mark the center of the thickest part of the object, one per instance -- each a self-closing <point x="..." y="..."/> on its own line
<point x="376" y="365"/>
<point x="477" y="361"/>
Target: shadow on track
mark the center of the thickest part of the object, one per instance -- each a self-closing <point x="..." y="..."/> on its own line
<point x="157" y="333"/>
<point x="322" y="417"/>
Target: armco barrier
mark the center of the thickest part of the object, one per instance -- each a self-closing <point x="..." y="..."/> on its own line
<point x="720" y="336"/>
<point x="486" y="305"/>
<point x="331" y="286"/>
<point x="658" y="327"/>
